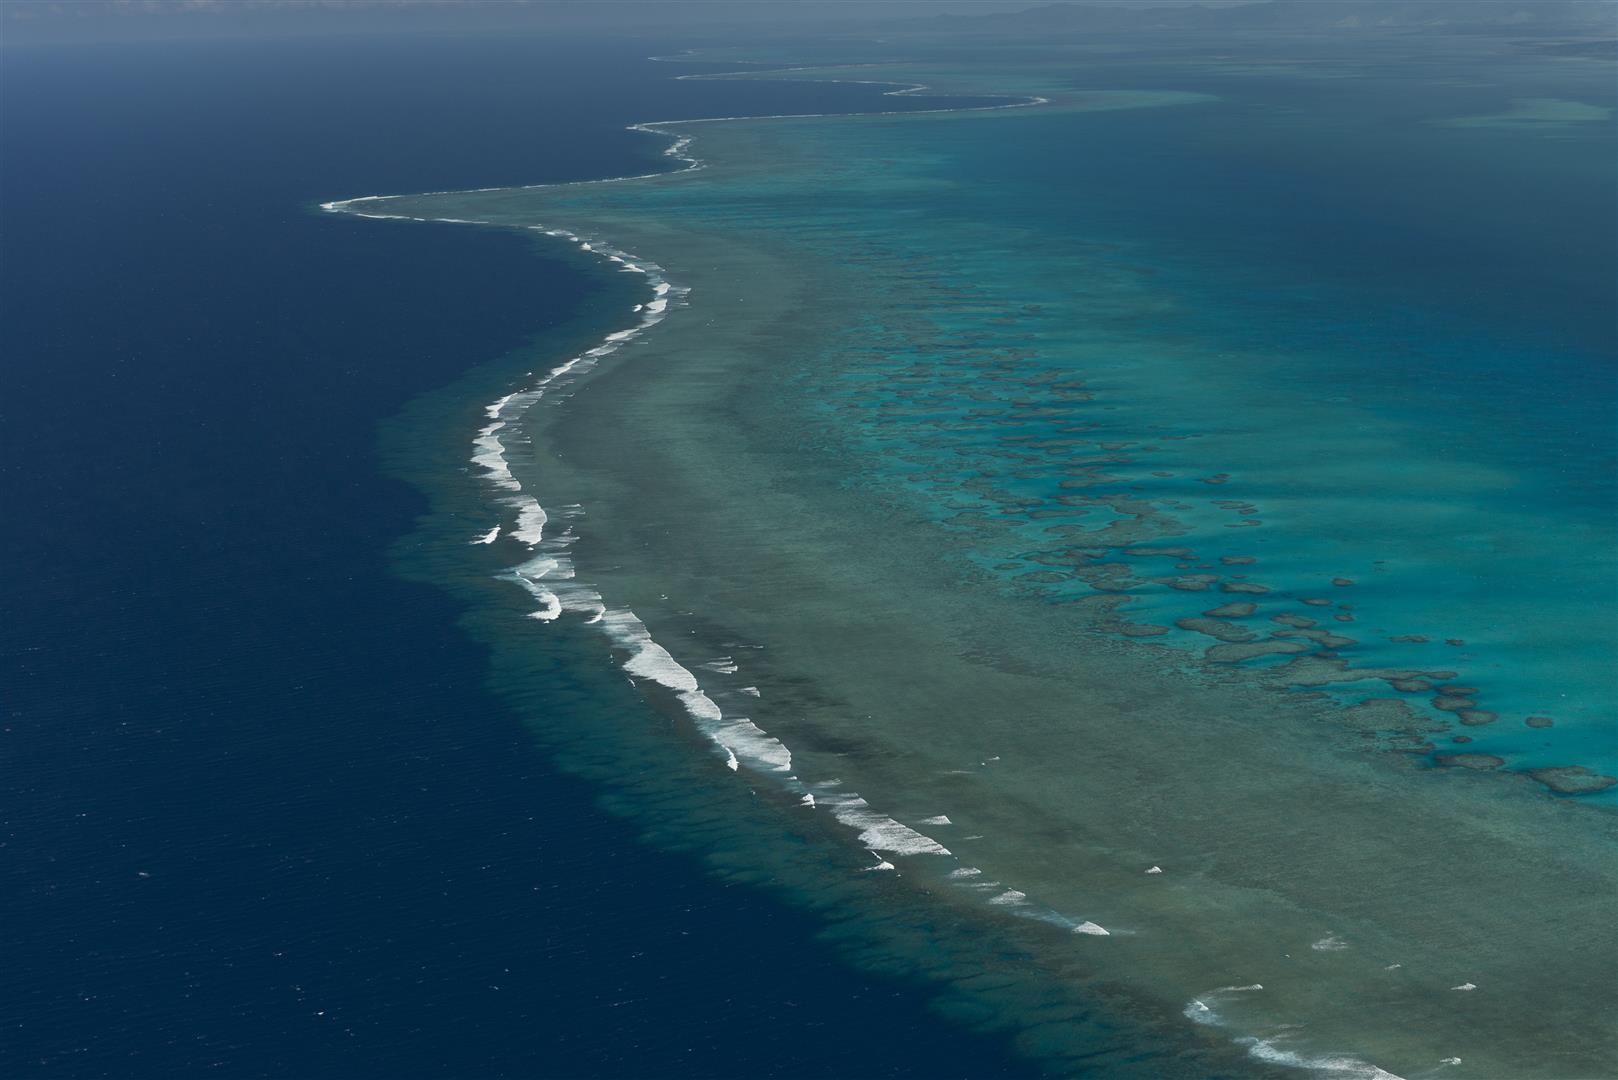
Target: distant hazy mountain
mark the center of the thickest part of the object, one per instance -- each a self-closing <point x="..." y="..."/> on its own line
<point x="1552" y="16"/>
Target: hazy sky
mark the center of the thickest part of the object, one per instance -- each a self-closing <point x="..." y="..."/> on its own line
<point x="36" y="20"/>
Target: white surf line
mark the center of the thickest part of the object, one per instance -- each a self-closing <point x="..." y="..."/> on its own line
<point x="1201" y="1010"/>
<point x="677" y="149"/>
<point x="550" y="575"/>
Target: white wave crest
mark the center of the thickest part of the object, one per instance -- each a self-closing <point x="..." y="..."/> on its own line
<point x="878" y="831"/>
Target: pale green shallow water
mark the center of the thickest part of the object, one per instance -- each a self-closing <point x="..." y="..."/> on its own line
<point x="891" y="398"/>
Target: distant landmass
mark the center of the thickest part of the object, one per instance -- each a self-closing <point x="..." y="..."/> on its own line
<point x="1550" y="16"/>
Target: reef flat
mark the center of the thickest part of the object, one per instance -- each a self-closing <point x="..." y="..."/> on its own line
<point x="964" y="484"/>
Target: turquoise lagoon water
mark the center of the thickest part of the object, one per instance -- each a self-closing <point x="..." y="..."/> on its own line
<point x="1155" y="513"/>
<point x="1379" y="321"/>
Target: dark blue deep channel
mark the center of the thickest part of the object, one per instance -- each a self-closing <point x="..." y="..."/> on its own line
<point x="260" y="815"/>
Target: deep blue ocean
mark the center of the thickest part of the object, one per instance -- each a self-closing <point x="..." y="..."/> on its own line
<point x="260" y="816"/>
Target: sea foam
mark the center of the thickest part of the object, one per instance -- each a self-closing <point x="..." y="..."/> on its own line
<point x="550" y="578"/>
